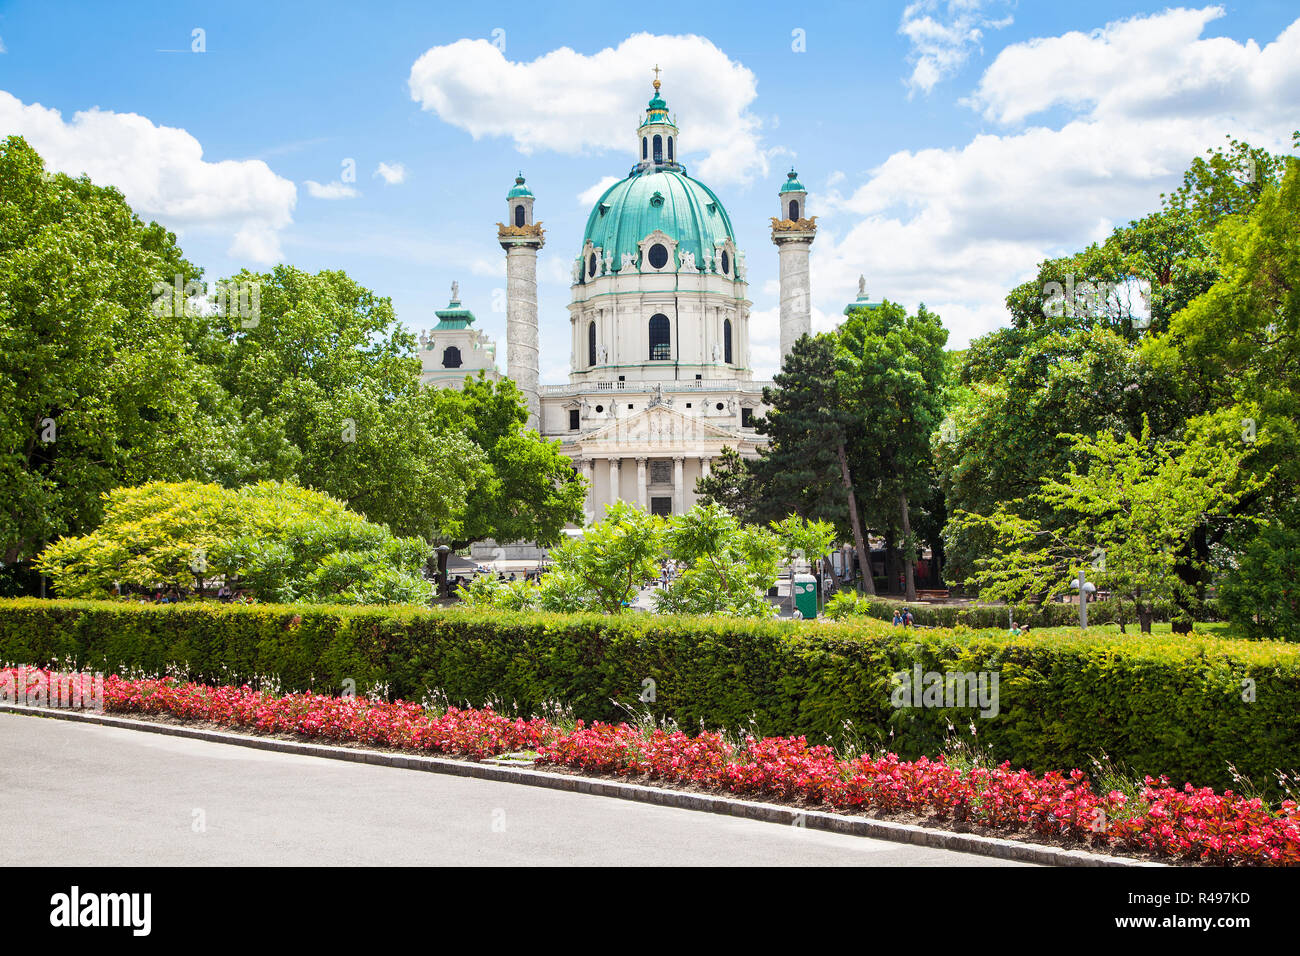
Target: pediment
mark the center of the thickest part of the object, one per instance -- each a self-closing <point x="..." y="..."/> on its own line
<point x="658" y="423"/>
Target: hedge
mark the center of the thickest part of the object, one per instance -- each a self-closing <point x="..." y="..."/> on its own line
<point x="847" y="604"/>
<point x="1166" y="704"/>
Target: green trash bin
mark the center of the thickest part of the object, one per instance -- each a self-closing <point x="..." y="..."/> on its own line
<point x="805" y="596"/>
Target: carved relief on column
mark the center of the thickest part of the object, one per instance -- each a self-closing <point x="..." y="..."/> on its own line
<point x="613" y="480"/>
<point x="642" y="491"/>
<point x="679" y="496"/>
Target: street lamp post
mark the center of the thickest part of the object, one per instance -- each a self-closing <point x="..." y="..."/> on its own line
<point x="1084" y="587"/>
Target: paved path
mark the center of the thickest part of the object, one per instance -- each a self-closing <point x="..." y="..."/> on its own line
<point x="77" y="794"/>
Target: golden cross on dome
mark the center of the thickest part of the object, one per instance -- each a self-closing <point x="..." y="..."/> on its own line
<point x="656" y="77"/>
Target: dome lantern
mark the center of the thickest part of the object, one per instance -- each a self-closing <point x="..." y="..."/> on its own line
<point x="519" y="204"/>
<point x="794" y="198"/>
<point x="658" y="140"/>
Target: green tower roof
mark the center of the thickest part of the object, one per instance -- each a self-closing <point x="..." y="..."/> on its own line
<point x="665" y="199"/>
<point x="792" y="184"/>
<point x="455" y="316"/>
<point x="520" y="189"/>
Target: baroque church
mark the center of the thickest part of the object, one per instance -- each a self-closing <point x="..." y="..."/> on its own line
<point x="660" y="380"/>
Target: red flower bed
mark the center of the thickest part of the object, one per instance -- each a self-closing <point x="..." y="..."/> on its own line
<point x="1188" y="824"/>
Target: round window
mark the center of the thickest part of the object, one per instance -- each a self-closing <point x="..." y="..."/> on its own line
<point x="599" y="409"/>
<point x="658" y="256"/>
<point x="591" y="265"/>
<point x="719" y="406"/>
<point x="726" y="263"/>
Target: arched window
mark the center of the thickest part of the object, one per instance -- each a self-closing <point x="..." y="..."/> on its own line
<point x="451" y="357"/>
<point x="670" y="149"/>
<point x="591" y="344"/>
<point x="661" y="347"/>
<point x="645" y="147"/>
<point x="794" y="209"/>
<point x="726" y="263"/>
<point x="726" y="341"/>
<point x="659" y="148"/>
<point x="519" y="215"/>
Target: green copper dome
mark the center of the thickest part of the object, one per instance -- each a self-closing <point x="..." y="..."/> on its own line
<point x="668" y="200"/>
<point x="520" y="189"/>
<point x="792" y="184"/>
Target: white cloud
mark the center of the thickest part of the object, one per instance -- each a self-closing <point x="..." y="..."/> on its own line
<point x="958" y="228"/>
<point x="334" y="190"/>
<point x="1144" y="68"/>
<point x="589" y="196"/>
<point x="943" y="33"/>
<point x="573" y="103"/>
<point x="161" y="172"/>
<point x="394" y="174"/>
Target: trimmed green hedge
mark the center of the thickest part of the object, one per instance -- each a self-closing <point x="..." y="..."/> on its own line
<point x="1168" y="704"/>
<point x="846" y="604"/>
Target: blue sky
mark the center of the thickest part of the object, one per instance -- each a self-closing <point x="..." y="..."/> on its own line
<point x="948" y="145"/>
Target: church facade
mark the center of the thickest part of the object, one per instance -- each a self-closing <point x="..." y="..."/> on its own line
<point x="659" y="318"/>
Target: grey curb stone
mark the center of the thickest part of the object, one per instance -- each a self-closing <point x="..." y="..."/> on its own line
<point x="709" y="803"/>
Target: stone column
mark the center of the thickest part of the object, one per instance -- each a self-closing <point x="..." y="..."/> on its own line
<point x="613" y="480"/>
<point x="679" y="493"/>
<point x="793" y="243"/>
<point x="521" y="244"/>
<point x="642" y="490"/>
<point x="706" y="464"/>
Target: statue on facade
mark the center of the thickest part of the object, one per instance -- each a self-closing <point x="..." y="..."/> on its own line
<point x="603" y="355"/>
<point x="687" y="261"/>
<point x="717" y="352"/>
<point x="455" y="291"/>
<point x="862" y="287"/>
<point x="629" y="261"/>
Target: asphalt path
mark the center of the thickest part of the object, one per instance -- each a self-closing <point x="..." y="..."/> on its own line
<point x="94" y="795"/>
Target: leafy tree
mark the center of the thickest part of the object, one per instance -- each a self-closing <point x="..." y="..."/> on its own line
<point x="809" y="465"/>
<point x="531" y="490"/>
<point x="276" y="540"/>
<point x="890" y="368"/>
<point x="1126" y="515"/>
<point x="327" y="385"/>
<point x="1260" y="590"/>
<point x="726" y="567"/>
<point x="731" y="484"/>
<point x="801" y="539"/>
<point x="96" y="390"/>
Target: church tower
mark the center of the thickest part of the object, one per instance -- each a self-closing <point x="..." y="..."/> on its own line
<point x="520" y="237"/>
<point x="793" y="232"/>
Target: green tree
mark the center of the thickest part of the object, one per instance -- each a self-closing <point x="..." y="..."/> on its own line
<point x="809" y="466"/>
<point x="278" y="541"/>
<point x="725" y="566"/>
<point x="1125" y="516"/>
<point x="891" y="372"/>
<point x="731" y="484"/>
<point x="96" y="390"/>
<point x="802" y="540"/>
<point x="531" y="490"/>
<point x="327" y="384"/>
